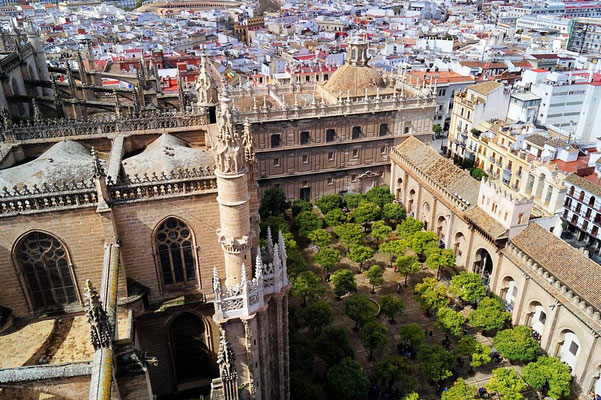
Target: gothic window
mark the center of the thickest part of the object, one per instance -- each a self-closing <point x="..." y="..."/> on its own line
<point x="175" y="252"/>
<point x="45" y="264"/>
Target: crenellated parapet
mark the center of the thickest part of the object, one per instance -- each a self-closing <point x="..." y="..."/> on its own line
<point x="247" y="297"/>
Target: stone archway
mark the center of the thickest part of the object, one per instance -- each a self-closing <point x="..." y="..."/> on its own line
<point x="569" y="348"/>
<point x="509" y="292"/>
<point x="425" y="217"/>
<point x="483" y="264"/>
<point x="459" y="246"/>
<point x="537" y="317"/>
<point x="410" y="202"/>
<point x="399" y="190"/>
<point x="188" y="343"/>
<point x="441" y="229"/>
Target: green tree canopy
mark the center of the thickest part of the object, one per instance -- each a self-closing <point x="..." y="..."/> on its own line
<point x="300" y="205"/>
<point x="302" y="386"/>
<point x="411" y="396"/>
<point x="276" y="223"/>
<point x="393" y="371"/>
<point x="344" y="282"/>
<point x="450" y="321"/>
<point x="299" y="345"/>
<point x="375" y="276"/>
<point x="379" y="195"/>
<point x="359" y="308"/>
<point x="549" y="374"/>
<point x="431" y="294"/>
<point x="333" y="345"/>
<point x="440" y="259"/>
<point x="328" y="203"/>
<point x="317" y="315"/>
<point x="478" y="353"/>
<point x="394" y="212"/>
<point x="380" y="231"/>
<point x="407" y="265"/>
<point x="490" y="315"/>
<point x="422" y="241"/>
<point x="307" y="222"/>
<point x="367" y="212"/>
<point x="336" y="217"/>
<point x="352" y="200"/>
<point x="408" y="227"/>
<point x="507" y="384"/>
<point x="478" y="173"/>
<point x="435" y="362"/>
<point x="347" y="381"/>
<point x="391" y="306"/>
<point x="295" y="263"/>
<point x="460" y="391"/>
<point x="517" y="344"/>
<point x="327" y="257"/>
<point x="436" y="129"/>
<point x="412" y="334"/>
<point x="273" y="202"/>
<point x="374" y="336"/>
<point x="394" y="249"/>
<point x="359" y="254"/>
<point x="349" y="234"/>
<point x="307" y="285"/>
<point x="468" y="286"/>
<point x="320" y="237"/>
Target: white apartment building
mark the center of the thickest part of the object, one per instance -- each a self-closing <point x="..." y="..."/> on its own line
<point x="570" y="101"/>
<point x="544" y="23"/>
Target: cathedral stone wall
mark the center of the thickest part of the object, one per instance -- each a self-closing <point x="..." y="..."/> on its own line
<point x="80" y="231"/>
<point x="137" y="222"/>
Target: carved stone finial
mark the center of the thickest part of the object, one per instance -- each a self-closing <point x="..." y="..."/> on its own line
<point x="227" y="143"/>
<point x="247" y="140"/>
<point x="98" y="171"/>
<point x="37" y="113"/>
<point x="100" y="330"/>
<point x="206" y="88"/>
<point x="226" y="360"/>
<point x="6" y="118"/>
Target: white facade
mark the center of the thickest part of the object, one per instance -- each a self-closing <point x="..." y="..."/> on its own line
<point x="544" y="22"/>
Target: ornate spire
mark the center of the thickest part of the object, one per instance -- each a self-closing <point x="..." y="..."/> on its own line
<point x="181" y="91"/>
<point x="117" y="103"/>
<point x="37" y="114"/>
<point x="206" y="89"/>
<point x="227" y="142"/>
<point x="100" y="330"/>
<point x="226" y="361"/>
<point x="7" y="121"/>
<point x="247" y="140"/>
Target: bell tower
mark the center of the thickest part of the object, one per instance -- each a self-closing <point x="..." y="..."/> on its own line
<point x="251" y="310"/>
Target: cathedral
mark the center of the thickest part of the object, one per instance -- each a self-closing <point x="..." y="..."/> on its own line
<point x="135" y="221"/>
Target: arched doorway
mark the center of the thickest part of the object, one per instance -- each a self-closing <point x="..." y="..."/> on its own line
<point x="425" y="214"/>
<point x="189" y="351"/>
<point x="509" y="292"/>
<point x="483" y="264"/>
<point x="597" y="387"/>
<point x="537" y="317"/>
<point x="410" y="202"/>
<point x="570" y="349"/>
<point x="441" y="229"/>
<point x="45" y="264"/>
<point x="459" y="247"/>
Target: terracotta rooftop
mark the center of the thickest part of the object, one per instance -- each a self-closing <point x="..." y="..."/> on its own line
<point x="584" y="183"/>
<point x="485" y="87"/>
<point x="570" y="266"/>
<point x="537" y="140"/>
<point x="488" y="224"/>
<point x="440" y="169"/>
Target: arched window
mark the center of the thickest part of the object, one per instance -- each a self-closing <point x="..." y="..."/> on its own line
<point x="175" y="252"/>
<point x="591" y="201"/>
<point x="45" y="265"/>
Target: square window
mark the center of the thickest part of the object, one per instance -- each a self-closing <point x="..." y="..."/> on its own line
<point x="304" y="137"/>
<point x="574" y="348"/>
<point x="305" y="159"/>
<point x="305" y="183"/>
<point x="330" y="135"/>
<point x="406" y="130"/>
<point x="275" y="140"/>
<point x="330" y="181"/>
<point x="356" y="132"/>
<point x="276" y="162"/>
<point x="331" y="156"/>
<point x="356" y="153"/>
